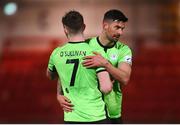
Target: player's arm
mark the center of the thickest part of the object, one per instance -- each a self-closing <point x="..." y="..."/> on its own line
<point x="64" y="102"/>
<point x="51" y="72"/>
<point x="52" y="75"/>
<point x="104" y="81"/>
<point x="121" y="73"/>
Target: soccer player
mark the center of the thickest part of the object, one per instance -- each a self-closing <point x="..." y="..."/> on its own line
<point x="79" y="84"/>
<point x="119" y="56"/>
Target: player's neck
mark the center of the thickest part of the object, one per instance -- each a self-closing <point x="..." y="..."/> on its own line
<point x="76" y="38"/>
<point x="104" y="41"/>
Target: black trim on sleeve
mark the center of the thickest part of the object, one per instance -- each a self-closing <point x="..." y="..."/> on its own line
<point x="50" y="70"/>
<point x="100" y="70"/>
<point x="53" y="70"/>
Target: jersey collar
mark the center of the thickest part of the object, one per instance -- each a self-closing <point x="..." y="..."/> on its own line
<point x="105" y="47"/>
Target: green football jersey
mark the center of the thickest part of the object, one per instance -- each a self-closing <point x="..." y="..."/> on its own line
<point x="116" y="54"/>
<point x="79" y="84"/>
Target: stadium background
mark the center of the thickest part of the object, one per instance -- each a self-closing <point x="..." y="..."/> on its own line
<point x="28" y="37"/>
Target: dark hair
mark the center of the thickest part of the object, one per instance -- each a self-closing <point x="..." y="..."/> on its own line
<point x="73" y="20"/>
<point x="115" y="15"/>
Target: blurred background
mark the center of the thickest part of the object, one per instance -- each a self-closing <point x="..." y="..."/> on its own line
<point x="31" y="29"/>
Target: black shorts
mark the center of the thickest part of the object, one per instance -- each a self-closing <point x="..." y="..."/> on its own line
<point x="115" y="120"/>
<point x="105" y="121"/>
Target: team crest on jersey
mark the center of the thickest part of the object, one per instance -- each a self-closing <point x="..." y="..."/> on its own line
<point x="128" y="59"/>
<point x="113" y="57"/>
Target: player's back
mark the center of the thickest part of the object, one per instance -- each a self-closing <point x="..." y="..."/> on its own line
<point x="79" y="84"/>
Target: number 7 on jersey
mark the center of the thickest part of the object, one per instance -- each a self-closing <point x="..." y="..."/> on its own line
<point x="76" y="64"/>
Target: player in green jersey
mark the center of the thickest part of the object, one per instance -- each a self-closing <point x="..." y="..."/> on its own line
<point x="79" y="84"/>
<point x="120" y="60"/>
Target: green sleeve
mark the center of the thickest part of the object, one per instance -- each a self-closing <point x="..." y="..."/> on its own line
<point x="125" y="55"/>
<point x="51" y="65"/>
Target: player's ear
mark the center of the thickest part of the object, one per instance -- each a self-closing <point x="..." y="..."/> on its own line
<point x="105" y="25"/>
<point x="83" y="27"/>
<point x="66" y="31"/>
